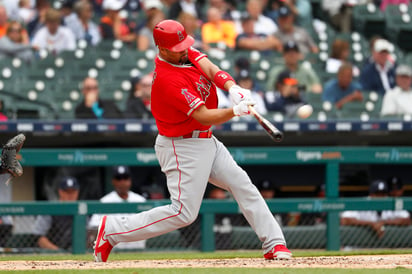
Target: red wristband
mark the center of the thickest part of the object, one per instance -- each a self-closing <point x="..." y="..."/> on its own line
<point x="221" y="77"/>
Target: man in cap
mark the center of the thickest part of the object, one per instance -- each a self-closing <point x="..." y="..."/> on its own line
<point x="122" y="182"/>
<point x="396" y="186"/>
<point x="287" y="97"/>
<point x="342" y="89"/>
<point x="184" y="105"/>
<point x="379" y="74"/>
<point x="55" y="232"/>
<point x="376" y="219"/>
<point x="289" y="32"/>
<point x="398" y="101"/>
<point x="306" y="76"/>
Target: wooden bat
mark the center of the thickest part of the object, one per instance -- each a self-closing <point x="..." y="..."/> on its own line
<point x="270" y="129"/>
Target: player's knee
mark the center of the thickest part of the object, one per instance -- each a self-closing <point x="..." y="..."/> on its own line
<point x="188" y="217"/>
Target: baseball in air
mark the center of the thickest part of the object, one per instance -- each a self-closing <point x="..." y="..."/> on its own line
<point x="304" y="111"/>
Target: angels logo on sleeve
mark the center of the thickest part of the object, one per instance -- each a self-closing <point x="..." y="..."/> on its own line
<point x="203" y="86"/>
<point x="190" y="98"/>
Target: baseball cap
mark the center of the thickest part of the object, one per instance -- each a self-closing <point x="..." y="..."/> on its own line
<point x="382" y="45"/>
<point x="153" y="4"/>
<point x="290" y="45"/>
<point x="286" y="78"/>
<point x="266" y="185"/>
<point x="243" y="75"/>
<point x="113" y="4"/>
<point x="284" y="11"/>
<point x="242" y="63"/>
<point x="404" y="70"/>
<point x="394" y="183"/>
<point x="68" y="182"/>
<point x="121" y="172"/>
<point x="378" y="186"/>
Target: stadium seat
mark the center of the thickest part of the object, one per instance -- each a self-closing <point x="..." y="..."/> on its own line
<point x="369" y="20"/>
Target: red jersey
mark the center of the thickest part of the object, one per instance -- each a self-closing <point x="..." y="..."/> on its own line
<point x="177" y="91"/>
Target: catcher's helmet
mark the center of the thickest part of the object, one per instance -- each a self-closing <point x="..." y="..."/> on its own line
<point x="172" y="35"/>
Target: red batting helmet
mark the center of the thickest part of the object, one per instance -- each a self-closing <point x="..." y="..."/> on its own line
<point x="171" y="35"/>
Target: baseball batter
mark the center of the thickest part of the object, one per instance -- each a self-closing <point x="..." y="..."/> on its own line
<point x="184" y="105"/>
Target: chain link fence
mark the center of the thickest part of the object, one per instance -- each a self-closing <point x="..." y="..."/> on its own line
<point x="23" y="234"/>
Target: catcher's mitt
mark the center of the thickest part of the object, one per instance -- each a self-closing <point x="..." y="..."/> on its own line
<point x="9" y="162"/>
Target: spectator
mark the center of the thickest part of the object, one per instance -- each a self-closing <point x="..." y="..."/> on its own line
<point x="340" y="53"/>
<point x="41" y="7"/>
<point x="3" y="20"/>
<point x="92" y="107"/>
<point x="55" y="232"/>
<point x="263" y="24"/>
<point x="145" y="38"/>
<point x="122" y="182"/>
<point x="3" y="117"/>
<point x="217" y="30"/>
<point x="150" y="7"/>
<point x="26" y="12"/>
<point x="66" y="10"/>
<point x="192" y="7"/>
<point x="192" y="27"/>
<point x="249" y="40"/>
<point x="374" y="219"/>
<point x="398" y="101"/>
<point x="379" y="75"/>
<point x="395" y="186"/>
<point x="13" y="44"/>
<point x="340" y="13"/>
<point x="343" y="89"/>
<point x="289" y="32"/>
<point x="286" y="98"/>
<point x="244" y="79"/>
<point x="227" y="9"/>
<point x="112" y="26"/>
<point x="138" y="103"/>
<point x="53" y="37"/>
<point x="385" y="3"/>
<point x="82" y="25"/>
<point x="306" y="76"/>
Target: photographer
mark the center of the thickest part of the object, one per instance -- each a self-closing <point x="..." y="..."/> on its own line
<point x="287" y="95"/>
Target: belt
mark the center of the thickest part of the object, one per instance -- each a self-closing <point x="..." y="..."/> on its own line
<point x="198" y="134"/>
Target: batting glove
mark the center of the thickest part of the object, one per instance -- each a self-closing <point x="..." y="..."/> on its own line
<point x="243" y="107"/>
<point x="238" y="94"/>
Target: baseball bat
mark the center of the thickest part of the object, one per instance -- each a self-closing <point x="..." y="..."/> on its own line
<point x="270" y="129"/>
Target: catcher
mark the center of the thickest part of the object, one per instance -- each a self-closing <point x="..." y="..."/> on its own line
<point x="10" y="167"/>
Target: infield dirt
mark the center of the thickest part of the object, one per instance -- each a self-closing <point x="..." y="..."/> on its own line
<point x="355" y="262"/>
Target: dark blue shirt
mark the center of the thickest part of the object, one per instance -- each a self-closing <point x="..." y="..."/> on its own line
<point x="371" y="80"/>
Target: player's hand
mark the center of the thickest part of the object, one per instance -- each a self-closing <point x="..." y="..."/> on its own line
<point x="238" y="94"/>
<point x="243" y="107"/>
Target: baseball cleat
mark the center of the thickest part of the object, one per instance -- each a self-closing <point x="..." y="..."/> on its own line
<point x="102" y="247"/>
<point x="278" y="252"/>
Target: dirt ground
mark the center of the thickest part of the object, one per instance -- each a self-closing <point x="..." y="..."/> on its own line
<point x="364" y="261"/>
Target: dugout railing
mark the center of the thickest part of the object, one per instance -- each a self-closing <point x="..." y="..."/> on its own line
<point x="331" y="233"/>
<point x="330" y="157"/>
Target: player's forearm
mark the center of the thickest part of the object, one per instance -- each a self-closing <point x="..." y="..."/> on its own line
<point x="398" y="221"/>
<point x="210" y="117"/>
<point x="211" y="69"/>
<point x="43" y="242"/>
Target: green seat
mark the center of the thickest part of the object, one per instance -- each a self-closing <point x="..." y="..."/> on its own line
<point x="369" y="21"/>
